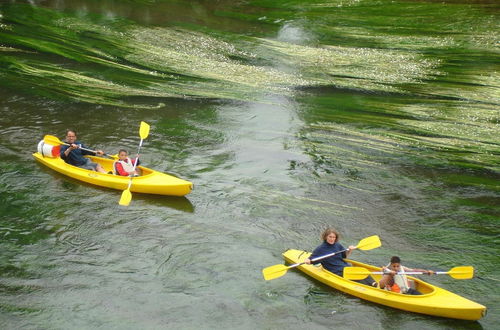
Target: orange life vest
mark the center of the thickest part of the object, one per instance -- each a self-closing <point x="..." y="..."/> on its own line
<point x="400" y="281"/>
<point x="394" y="288"/>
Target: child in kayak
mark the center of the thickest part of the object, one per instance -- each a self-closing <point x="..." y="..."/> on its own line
<point x="124" y="166"/>
<point x="393" y="280"/>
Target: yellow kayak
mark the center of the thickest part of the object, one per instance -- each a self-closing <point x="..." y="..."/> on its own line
<point x="433" y="301"/>
<point x="150" y="182"/>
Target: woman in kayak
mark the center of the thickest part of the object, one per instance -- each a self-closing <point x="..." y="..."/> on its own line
<point x="335" y="263"/>
<point x="395" y="280"/>
<point x="124" y="166"/>
<point x="73" y="153"/>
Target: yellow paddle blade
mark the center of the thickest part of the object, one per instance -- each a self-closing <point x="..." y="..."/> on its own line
<point x="356" y="273"/>
<point x="144" y="130"/>
<point x="462" y="272"/>
<point x="369" y="243"/>
<point x="51" y="139"/>
<point x="126" y="197"/>
<point x="272" y="272"/>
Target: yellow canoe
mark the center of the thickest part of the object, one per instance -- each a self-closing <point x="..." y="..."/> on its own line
<point x="150" y="182"/>
<point x="433" y="301"/>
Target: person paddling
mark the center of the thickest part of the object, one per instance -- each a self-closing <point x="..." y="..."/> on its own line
<point x="335" y="263"/>
<point x="73" y="153"/>
<point x="124" y="166"/>
<point x="393" y="280"/>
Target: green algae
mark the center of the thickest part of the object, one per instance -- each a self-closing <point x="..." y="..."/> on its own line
<point x="176" y="62"/>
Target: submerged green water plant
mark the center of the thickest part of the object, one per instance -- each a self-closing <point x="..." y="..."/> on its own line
<point x="177" y="62"/>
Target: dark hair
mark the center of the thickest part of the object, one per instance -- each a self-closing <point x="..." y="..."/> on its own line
<point x="327" y="232"/>
<point x="122" y="150"/>
<point x="70" y="130"/>
<point x="395" y="260"/>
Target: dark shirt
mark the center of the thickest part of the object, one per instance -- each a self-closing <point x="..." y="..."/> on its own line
<point x="335" y="264"/>
<point x="75" y="157"/>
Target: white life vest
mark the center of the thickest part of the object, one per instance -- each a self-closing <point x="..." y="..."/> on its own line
<point x="401" y="280"/>
<point x="128" y="166"/>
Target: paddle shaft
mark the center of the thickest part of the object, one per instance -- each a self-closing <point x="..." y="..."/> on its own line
<point x="137" y="157"/>
<point x="51" y="139"/>
<point x="126" y="195"/>
<point x="318" y="258"/>
<point x="366" y="243"/>
<point x="459" y="272"/>
<point x="409" y="273"/>
<point x="276" y="271"/>
<point x="135" y="164"/>
<point x="79" y="147"/>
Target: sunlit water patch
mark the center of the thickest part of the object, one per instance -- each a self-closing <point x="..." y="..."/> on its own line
<point x="348" y="67"/>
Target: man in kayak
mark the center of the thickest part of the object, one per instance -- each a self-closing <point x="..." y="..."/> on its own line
<point x="395" y="280"/>
<point x="73" y="154"/>
<point x="335" y="263"/>
<point x="124" y="166"/>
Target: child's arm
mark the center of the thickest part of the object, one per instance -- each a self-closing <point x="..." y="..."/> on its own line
<point x="428" y="272"/>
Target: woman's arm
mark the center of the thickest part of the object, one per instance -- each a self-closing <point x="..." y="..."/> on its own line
<point x="348" y="252"/>
<point x="314" y="254"/>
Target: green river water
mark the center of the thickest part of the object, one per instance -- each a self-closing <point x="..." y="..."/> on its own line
<point x="375" y="117"/>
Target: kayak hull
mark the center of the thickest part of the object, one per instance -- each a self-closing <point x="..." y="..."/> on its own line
<point x="150" y="182"/>
<point x="433" y="301"/>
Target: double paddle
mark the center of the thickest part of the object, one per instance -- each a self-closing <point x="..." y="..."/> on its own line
<point x="459" y="273"/>
<point x="272" y="272"/>
<point x="126" y="194"/>
<point x="54" y="140"/>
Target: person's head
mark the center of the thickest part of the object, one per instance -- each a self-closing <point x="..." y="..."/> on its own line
<point x="330" y="235"/>
<point x="122" y="154"/>
<point x="70" y="136"/>
<point x="395" y="263"/>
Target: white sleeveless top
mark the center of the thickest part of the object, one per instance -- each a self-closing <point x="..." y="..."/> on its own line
<point x="127" y="165"/>
<point x="401" y="280"/>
